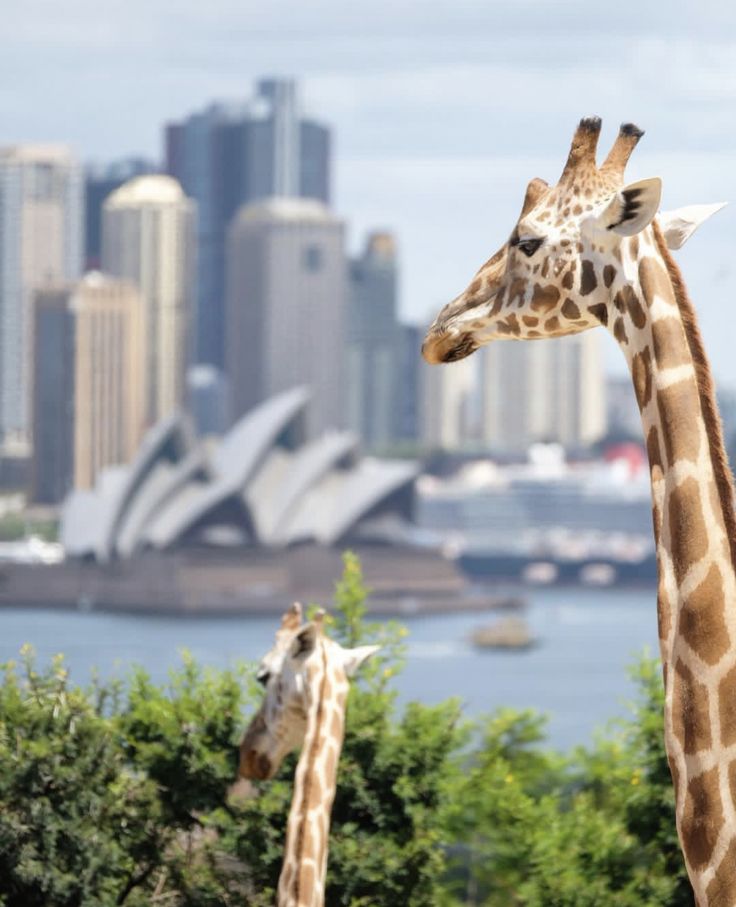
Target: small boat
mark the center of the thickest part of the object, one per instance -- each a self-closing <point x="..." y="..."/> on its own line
<point x="508" y="633"/>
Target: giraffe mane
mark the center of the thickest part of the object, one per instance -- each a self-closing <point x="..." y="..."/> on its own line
<point x="706" y="392"/>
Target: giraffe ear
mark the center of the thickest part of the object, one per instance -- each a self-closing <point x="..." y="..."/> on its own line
<point x="679" y="225"/>
<point x="304" y="642"/>
<point x="632" y="208"/>
<point x="354" y="658"/>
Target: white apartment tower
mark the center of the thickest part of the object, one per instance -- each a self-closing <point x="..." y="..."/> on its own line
<point x="548" y="390"/>
<point x="41" y="225"/>
<point x="148" y="237"/>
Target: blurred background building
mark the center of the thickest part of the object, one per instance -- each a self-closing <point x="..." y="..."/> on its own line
<point x="41" y="224"/>
<point x="551" y="391"/>
<point x="372" y="342"/>
<point x="89" y="383"/>
<point x="99" y="182"/>
<point x="148" y="237"/>
<point x="229" y="155"/>
<point x="286" y="291"/>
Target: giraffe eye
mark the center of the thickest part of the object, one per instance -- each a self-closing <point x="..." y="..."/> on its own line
<point x="262" y="677"/>
<point x="529" y="246"/>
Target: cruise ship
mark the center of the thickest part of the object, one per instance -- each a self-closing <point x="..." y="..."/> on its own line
<point x="547" y="520"/>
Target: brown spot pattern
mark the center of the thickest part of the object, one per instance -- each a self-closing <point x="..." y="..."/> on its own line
<point x="609" y="272"/>
<point x="530" y="321"/>
<point x="553" y="324"/>
<point x="544" y="299"/>
<point x="600" y="312"/>
<point x="570" y="310"/>
<point x="678" y="406"/>
<point x="634" y="307"/>
<point x="702" y="818"/>
<point x="588" y="281"/>
<point x="702" y="619"/>
<point x="567" y="279"/>
<point x="517" y="289"/>
<point x="653" y="450"/>
<point x="721" y="887"/>
<point x="619" y="331"/>
<point x="654" y="281"/>
<point x="688" y="532"/>
<point x="670" y="343"/>
<point x="690" y="710"/>
<point x="641" y="372"/>
<point x="727" y="708"/>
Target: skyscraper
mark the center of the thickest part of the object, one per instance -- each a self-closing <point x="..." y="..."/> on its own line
<point x="148" y="237"/>
<point x="88" y="382"/>
<point x="109" y="375"/>
<point x="286" y="291"/>
<point x="551" y="391"/>
<point x="373" y="343"/>
<point x="409" y="372"/>
<point x="54" y="351"/>
<point x="99" y="182"/>
<point x="230" y="155"/>
<point x="40" y="245"/>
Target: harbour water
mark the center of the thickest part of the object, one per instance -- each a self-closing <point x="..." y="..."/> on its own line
<point x="577" y="673"/>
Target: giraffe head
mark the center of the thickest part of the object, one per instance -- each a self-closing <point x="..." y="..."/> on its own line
<point x="303" y="665"/>
<point x="557" y="272"/>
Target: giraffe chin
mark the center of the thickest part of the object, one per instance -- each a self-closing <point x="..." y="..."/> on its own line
<point x="447" y="348"/>
<point x="255" y="766"/>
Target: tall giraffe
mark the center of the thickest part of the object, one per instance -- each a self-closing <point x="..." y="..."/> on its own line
<point x="305" y="676"/>
<point x="591" y="251"/>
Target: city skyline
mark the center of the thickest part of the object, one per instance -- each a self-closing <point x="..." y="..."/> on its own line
<point x="432" y="111"/>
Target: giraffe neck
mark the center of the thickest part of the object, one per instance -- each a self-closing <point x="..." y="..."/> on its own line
<point x="302" y="879"/>
<point x="694" y="528"/>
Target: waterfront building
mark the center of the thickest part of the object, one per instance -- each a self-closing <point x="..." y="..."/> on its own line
<point x="229" y="155"/>
<point x="264" y="484"/>
<point x="40" y="246"/>
<point x="373" y="344"/>
<point x="99" y="182"/>
<point x="286" y="292"/>
<point x="542" y="392"/>
<point x="148" y="237"/>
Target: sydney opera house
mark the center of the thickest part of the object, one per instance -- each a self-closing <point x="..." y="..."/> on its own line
<point x="262" y="486"/>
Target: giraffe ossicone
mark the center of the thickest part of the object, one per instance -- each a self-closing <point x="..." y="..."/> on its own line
<point x="591" y="251"/>
<point x="306" y="681"/>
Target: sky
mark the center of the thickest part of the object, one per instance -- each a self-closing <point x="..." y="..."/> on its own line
<point x="442" y="111"/>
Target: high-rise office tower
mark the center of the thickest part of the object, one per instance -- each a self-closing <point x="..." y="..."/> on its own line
<point x="551" y="391"/>
<point x="229" y="155"/>
<point x="373" y="342"/>
<point x="99" y="182"/>
<point x="54" y="350"/>
<point x="286" y="292"/>
<point x="109" y="374"/>
<point x="409" y="372"/>
<point x="148" y="237"/>
<point x="88" y="382"/>
<point x="40" y="245"/>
